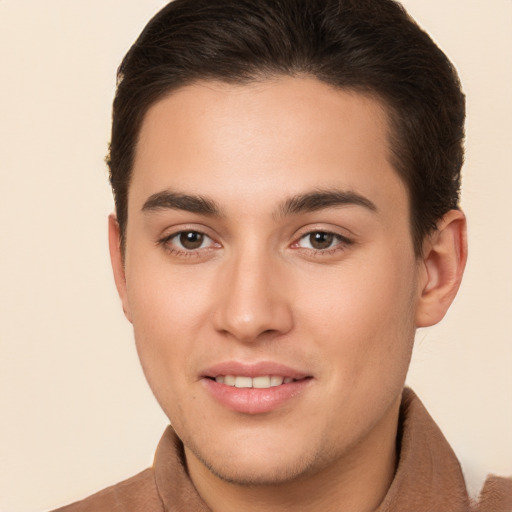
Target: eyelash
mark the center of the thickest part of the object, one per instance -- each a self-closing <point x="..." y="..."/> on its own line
<point x="165" y="242"/>
<point x="341" y="244"/>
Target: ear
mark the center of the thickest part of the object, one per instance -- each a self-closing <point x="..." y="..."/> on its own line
<point x="443" y="261"/>
<point x="116" y="258"/>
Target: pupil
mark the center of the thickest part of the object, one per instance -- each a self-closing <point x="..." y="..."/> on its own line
<point x="191" y="240"/>
<point x="321" y="240"/>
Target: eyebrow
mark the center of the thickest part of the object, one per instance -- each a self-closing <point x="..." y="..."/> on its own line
<point x="177" y="201"/>
<point x="301" y="203"/>
<point x="321" y="199"/>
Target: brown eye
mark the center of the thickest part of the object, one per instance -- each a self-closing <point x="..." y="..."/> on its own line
<point x="191" y="240"/>
<point x="189" y="243"/>
<point x="321" y="240"/>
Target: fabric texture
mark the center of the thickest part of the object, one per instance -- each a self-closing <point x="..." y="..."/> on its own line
<point x="428" y="477"/>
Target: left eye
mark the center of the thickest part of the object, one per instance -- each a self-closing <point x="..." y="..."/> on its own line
<point x="319" y="240"/>
<point x="190" y="240"/>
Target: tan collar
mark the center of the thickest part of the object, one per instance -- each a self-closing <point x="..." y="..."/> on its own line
<point x="175" y="488"/>
<point x="428" y="477"/>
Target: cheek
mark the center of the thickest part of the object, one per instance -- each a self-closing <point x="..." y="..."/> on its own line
<point x="363" y="317"/>
<point x="168" y="312"/>
<point x="164" y="298"/>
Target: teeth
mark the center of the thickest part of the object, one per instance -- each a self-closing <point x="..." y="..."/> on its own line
<point x="243" y="382"/>
<point x="260" y="382"/>
<point x="229" y="380"/>
<point x="276" y="381"/>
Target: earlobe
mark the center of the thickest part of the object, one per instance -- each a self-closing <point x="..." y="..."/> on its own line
<point x="116" y="258"/>
<point x="444" y="258"/>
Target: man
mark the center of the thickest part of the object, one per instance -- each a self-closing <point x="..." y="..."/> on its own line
<point x="286" y="177"/>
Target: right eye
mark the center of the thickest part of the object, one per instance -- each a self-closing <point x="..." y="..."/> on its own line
<point x="187" y="242"/>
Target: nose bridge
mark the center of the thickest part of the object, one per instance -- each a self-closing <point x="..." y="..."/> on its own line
<point x="251" y="300"/>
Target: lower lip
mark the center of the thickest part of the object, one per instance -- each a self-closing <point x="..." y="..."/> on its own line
<point x="254" y="400"/>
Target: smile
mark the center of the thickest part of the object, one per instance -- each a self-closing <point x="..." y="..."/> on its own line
<point x="254" y="388"/>
<point x="259" y="382"/>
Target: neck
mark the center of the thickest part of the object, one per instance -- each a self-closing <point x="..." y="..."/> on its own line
<point x="357" y="482"/>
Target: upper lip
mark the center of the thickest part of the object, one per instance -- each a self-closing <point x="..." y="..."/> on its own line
<point x="260" y="368"/>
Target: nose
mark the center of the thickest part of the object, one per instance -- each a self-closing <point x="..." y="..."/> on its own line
<point x="252" y="301"/>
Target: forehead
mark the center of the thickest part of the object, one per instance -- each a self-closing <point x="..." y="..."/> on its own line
<point x="264" y="139"/>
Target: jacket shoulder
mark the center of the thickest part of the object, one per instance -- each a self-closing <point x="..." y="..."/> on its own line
<point x="132" y="495"/>
<point x="496" y="495"/>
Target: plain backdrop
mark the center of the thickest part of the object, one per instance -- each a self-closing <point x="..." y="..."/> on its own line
<point x="76" y="413"/>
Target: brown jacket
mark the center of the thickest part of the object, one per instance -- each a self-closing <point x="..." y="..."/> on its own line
<point x="428" y="477"/>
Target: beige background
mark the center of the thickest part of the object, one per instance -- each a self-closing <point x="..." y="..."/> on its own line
<point x="76" y="414"/>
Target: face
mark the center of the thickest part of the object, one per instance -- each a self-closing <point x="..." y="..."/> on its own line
<point x="270" y="274"/>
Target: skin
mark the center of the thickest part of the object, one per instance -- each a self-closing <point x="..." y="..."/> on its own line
<point x="259" y="288"/>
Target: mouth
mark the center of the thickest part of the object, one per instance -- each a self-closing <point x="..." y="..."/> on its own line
<point x="258" y="382"/>
<point x="254" y="388"/>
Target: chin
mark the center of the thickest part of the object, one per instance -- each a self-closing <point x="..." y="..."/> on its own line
<point x="258" y="460"/>
<point x="259" y="471"/>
